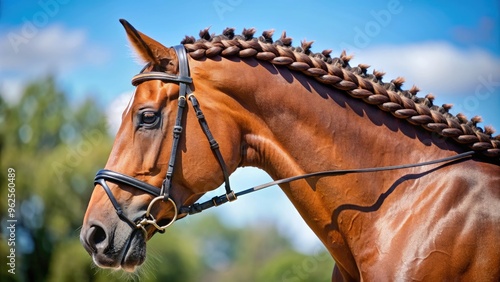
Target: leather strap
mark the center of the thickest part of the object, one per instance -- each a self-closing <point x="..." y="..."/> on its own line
<point x="125" y="179"/>
<point x="116" y="205"/>
<point x="183" y="90"/>
<point x="213" y="145"/>
<point x="219" y="200"/>
<point x="136" y="80"/>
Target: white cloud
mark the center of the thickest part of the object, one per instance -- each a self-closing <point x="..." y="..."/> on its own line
<point x="54" y="49"/>
<point x="436" y="67"/>
<point x="11" y="89"/>
<point x="115" y="110"/>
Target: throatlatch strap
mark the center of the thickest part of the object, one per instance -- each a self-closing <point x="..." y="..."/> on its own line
<point x="213" y="145"/>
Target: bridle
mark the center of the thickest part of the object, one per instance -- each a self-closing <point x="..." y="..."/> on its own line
<point x="163" y="193"/>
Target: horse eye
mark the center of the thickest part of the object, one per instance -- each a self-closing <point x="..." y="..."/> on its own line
<point x="149" y="118"/>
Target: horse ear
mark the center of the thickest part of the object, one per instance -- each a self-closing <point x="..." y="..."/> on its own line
<point x="148" y="49"/>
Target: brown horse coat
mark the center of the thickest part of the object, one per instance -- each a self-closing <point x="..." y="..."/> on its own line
<point x="291" y="112"/>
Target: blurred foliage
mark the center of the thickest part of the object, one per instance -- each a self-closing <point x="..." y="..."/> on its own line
<point x="56" y="147"/>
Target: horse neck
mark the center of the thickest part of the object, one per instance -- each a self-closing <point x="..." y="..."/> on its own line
<point x="294" y="124"/>
<point x="291" y="125"/>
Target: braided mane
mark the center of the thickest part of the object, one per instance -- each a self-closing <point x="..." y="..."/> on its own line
<point x="356" y="81"/>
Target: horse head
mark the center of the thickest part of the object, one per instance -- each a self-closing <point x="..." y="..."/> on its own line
<point x="143" y="151"/>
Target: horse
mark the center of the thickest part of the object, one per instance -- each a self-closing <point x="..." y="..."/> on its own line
<point x="292" y="113"/>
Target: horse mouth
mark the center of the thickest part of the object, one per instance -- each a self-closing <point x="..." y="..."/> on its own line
<point x="128" y="257"/>
<point x="134" y="251"/>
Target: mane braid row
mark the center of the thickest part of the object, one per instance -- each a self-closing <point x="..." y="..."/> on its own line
<point x="356" y="81"/>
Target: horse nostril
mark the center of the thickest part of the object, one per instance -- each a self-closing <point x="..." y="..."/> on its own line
<point x="96" y="236"/>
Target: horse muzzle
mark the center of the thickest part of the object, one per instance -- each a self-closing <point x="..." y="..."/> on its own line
<point x="113" y="248"/>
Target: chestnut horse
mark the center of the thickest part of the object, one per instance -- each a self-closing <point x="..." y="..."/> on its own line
<point x="291" y="112"/>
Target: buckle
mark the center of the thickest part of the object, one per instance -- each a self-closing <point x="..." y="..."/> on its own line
<point x="231" y="196"/>
<point x="177" y="129"/>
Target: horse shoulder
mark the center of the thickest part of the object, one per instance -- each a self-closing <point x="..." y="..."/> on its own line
<point x="447" y="228"/>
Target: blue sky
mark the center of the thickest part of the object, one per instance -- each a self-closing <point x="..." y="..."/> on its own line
<point x="449" y="48"/>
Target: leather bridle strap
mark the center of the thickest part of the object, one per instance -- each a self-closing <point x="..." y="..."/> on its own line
<point x="217" y="201"/>
<point x="154" y="75"/>
<point x="114" y="202"/>
<point x="185" y="93"/>
<point x="183" y="90"/>
<point x="214" y="146"/>
<point x="106" y="174"/>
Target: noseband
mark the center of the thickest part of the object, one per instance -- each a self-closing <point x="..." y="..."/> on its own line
<point x="163" y="194"/>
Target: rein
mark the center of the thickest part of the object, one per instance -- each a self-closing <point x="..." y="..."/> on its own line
<point x="163" y="194"/>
